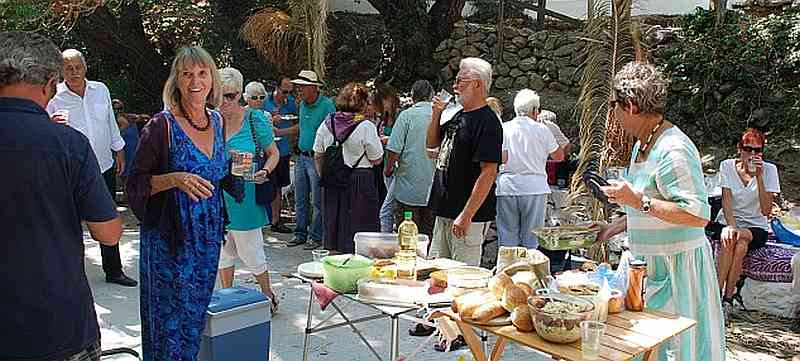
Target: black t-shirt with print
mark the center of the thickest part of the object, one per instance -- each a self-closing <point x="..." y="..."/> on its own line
<point x="467" y="140"/>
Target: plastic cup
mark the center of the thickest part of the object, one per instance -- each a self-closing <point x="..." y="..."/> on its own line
<point x="319" y="254"/>
<point x="243" y="165"/>
<point x="591" y="333"/>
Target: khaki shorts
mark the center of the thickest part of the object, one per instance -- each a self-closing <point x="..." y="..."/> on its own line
<point x="467" y="249"/>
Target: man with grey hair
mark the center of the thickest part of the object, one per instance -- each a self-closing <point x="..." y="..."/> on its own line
<point x="414" y="170"/>
<point x="88" y="109"/>
<point x="51" y="184"/>
<point x="470" y="152"/>
<point x="522" y="186"/>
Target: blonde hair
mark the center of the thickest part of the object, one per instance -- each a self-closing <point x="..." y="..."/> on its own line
<point x="186" y="57"/>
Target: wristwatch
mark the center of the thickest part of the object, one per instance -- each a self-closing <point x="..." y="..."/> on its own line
<point x="645" y="204"/>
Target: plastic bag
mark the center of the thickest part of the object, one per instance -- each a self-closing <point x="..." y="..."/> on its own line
<point x="600" y="301"/>
<point x="620" y="279"/>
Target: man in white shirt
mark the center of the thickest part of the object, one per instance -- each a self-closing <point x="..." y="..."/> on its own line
<point x="85" y="105"/>
<point x="522" y="187"/>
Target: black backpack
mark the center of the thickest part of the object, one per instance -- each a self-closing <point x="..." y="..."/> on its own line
<point x="335" y="172"/>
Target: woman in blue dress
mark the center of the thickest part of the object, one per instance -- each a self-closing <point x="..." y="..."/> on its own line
<point x="175" y="190"/>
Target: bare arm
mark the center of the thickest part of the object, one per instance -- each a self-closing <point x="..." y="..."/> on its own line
<point x="616" y="227"/>
<point x="504" y="157"/>
<point x="162" y="182"/>
<point x="481" y="189"/>
<point x="672" y="213"/>
<point x="764" y="198"/>
<point x="273" y="157"/>
<point x="434" y="137"/>
<point x="727" y="207"/>
<point x="558" y="154"/>
<point x="107" y="233"/>
<point x="318" y="162"/>
<point x="391" y="159"/>
<point x="288" y="131"/>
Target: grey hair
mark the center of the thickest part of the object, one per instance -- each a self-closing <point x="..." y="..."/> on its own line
<point x="254" y="86"/>
<point x="643" y="85"/>
<point x="422" y="90"/>
<point x="526" y="102"/>
<point x="479" y="68"/>
<point x="28" y="58"/>
<point x="185" y="58"/>
<point x="71" y="54"/>
<point x="231" y="77"/>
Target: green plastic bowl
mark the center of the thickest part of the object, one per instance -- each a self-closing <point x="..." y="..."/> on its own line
<point x="343" y="277"/>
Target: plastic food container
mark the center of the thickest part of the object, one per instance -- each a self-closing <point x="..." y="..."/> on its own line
<point x="378" y="245"/>
<point x="468" y="277"/>
<point x="559" y="327"/>
<point x="342" y="275"/>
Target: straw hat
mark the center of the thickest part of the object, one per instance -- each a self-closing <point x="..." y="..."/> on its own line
<point x="307" y="77"/>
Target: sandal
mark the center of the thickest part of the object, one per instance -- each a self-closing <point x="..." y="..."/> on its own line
<point x="421" y="330"/>
<point x="274" y="303"/>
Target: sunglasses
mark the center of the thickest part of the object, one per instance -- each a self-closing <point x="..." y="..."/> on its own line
<point x="750" y="149"/>
<point x="258" y="97"/>
<point x="284" y="92"/>
<point x="230" y="96"/>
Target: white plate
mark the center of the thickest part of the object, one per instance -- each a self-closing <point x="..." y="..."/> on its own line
<point x="311" y="270"/>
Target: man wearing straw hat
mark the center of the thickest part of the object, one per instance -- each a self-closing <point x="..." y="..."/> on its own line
<point x="314" y="107"/>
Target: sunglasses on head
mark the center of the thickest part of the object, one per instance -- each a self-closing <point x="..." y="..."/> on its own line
<point x="230" y="96"/>
<point x="750" y="149"/>
<point x="258" y="97"/>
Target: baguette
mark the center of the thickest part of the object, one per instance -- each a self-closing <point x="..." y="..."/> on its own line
<point x="488" y="311"/>
<point x="466" y="305"/>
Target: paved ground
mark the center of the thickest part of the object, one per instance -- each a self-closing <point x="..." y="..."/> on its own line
<point x="118" y="312"/>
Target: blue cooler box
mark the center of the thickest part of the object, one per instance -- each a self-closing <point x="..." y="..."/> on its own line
<point x="237" y="326"/>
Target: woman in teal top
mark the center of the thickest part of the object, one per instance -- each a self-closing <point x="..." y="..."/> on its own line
<point x="666" y="208"/>
<point x="244" y="239"/>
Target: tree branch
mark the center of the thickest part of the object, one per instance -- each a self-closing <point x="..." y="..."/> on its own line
<point x="442" y="15"/>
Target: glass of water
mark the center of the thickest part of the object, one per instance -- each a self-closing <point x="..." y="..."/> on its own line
<point x="591" y="333"/>
<point x="319" y="254"/>
<point x="243" y="165"/>
<point x="62" y="115"/>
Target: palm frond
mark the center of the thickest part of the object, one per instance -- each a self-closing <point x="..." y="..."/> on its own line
<point x="276" y="36"/>
<point x="609" y="44"/>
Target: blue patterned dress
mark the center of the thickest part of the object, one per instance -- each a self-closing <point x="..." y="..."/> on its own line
<point x="176" y="286"/>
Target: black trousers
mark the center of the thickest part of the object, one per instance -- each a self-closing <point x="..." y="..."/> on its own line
<point x="112" y="263"/>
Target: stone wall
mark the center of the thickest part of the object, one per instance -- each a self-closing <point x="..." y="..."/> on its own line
<point x="538" y="60"/>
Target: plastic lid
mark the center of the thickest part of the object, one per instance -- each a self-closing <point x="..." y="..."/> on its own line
<point x="407" y="214"/>
<point x="228" y="298"/>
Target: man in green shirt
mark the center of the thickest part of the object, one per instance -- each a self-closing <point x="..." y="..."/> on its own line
<point x="314" y="107"/>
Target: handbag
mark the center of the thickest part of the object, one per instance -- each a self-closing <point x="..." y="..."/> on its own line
<point x="267" y="191"/>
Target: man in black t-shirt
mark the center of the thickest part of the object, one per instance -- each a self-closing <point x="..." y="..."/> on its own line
<point x="51" y="183"/>
<point x="469" y="154"/>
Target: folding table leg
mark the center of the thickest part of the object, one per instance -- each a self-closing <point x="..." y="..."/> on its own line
<point x="308" y="324"/>
<point x="472" y="340"/>
<point x="499" y="347"/>
<point x="394" y="349"/>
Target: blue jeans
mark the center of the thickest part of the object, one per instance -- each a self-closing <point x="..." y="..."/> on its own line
<point x="517" y="216"/>
<point x="306" y="183"/>
<point x="387" y="209"/>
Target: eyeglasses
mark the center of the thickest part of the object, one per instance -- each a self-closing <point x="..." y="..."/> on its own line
<point x="751" y="150"/>
<point x="258" y="97"/>
<point x="230" y="96"/>
<point x="463" y="80"/>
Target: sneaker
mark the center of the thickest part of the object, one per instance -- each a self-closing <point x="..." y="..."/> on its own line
<point x="295" y="242"/>
<point x="280" y="228"/>
<point x="311" y="245"/>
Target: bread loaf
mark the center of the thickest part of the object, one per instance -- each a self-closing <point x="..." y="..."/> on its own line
<point x="525" y="288"/>
<point x="488" y="311"/>
<point x="521" y="319"/>
<point x="514" y="297"/>
<point x="499" y="283"/>
<point x="465" y="305"/>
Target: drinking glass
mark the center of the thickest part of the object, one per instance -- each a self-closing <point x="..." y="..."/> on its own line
<point x="591" y="333"/>
<point x="243" y="165"/>
<point x="444" y="96"/>
<point x="319" y="254"/>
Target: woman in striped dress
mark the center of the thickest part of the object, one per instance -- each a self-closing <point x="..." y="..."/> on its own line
<point x="666" y="206"/>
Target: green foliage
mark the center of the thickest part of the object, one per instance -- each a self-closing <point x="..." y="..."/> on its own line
<point x="744" y="74"/>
